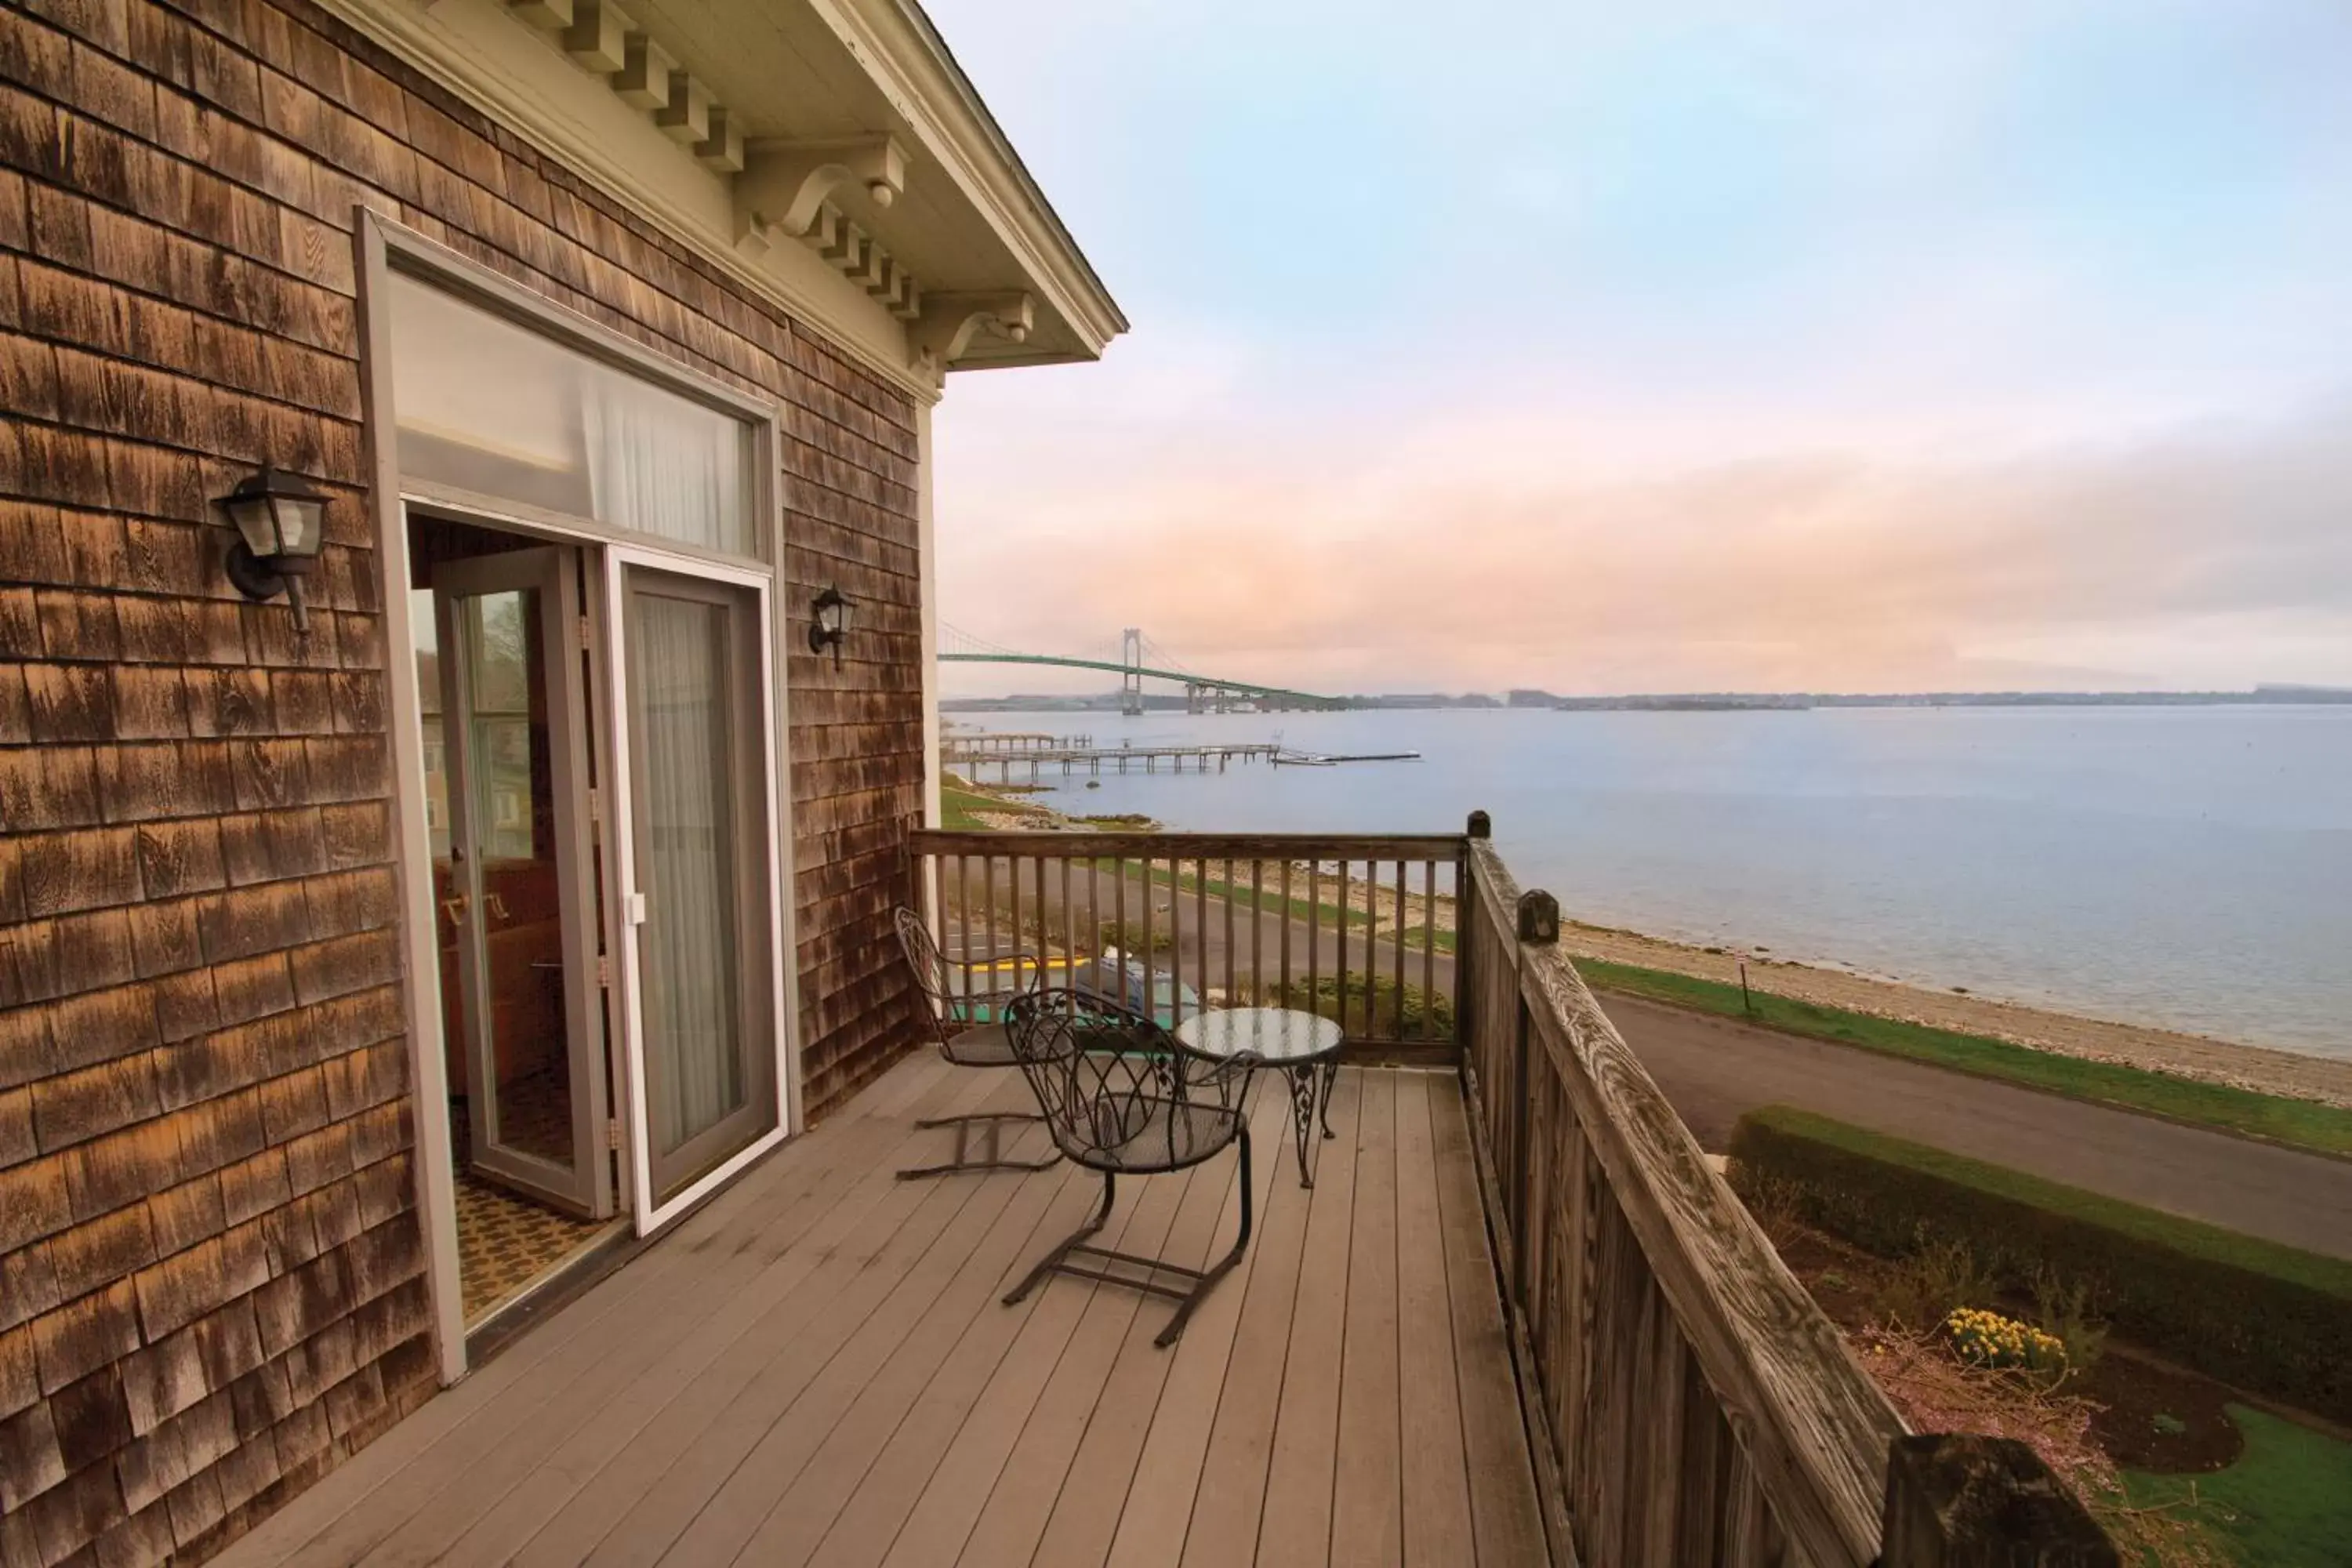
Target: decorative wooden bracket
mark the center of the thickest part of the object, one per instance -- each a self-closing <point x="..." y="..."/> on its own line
<point x="785" y="185"/>
<point x="950" y="320"/>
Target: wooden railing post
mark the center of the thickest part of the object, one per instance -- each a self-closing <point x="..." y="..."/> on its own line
<point x="1538" y="917"/>
<point x="1466" y="911"/>
<point x="1961" y="1500"/>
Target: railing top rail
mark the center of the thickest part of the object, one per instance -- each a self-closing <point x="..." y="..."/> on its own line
<point x="1056" y="845"/>
<point x="1815" y="1426"/>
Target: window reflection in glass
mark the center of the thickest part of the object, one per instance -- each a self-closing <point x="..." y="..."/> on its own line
<point x="502" y="662"/>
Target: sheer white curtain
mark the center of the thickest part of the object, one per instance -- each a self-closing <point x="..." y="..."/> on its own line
<point x="689" y="951"/>
<point x="659" y="464"/>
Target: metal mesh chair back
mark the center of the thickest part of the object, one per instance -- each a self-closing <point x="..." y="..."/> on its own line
<point x="932" y="971"/>
<point x="1118" y="1092"/>
<point x="960" y="993"/>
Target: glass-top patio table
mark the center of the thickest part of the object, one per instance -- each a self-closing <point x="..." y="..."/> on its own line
<point x="1305" y="1046"/>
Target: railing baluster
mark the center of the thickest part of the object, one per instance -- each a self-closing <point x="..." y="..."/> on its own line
<point x="1200" y="931"/>
<point x="1151" y="963"/>
<point x="1314" y="936"/>
<point x="938" y="878"/>
<point x="1176" y="937"/>
<point x="1044" y="926"/>
<point x="963" y="914"/>
<point x="1012" y="875"/>
<point x="1339" y="964"/>
<point x="1069" y="933"/>
<point x="1283" y="932"/>
<point x="1429" y="946"/>
<point x="988" y="893"/>
<point x="1230" y="891"/>
<point x="1372" y="948"/>
<point x="1257" y="929"/>
<point x="1395" y="1014"/>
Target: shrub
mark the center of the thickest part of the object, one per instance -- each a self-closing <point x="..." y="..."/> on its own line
<point x="1936" y="1276"/>
<point x="1133" y="941"/>
<point x="1344" y="1000"/>
<point x="1989" y="1340"/>
<point x="2267" y="1317"/>
<point x="2070" y="1308"/>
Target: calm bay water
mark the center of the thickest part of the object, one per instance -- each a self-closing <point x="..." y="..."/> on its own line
<point x="2185" y="867"/>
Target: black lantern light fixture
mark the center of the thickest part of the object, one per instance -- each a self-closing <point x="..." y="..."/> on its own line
<point x="277" y="517"/>
<point x="829" y="623"/>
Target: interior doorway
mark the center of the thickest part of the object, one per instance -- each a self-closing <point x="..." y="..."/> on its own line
<point x="505" y="666"/>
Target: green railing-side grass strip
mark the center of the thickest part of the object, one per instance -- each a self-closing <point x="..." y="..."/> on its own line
<point x="2304" y="1124"/>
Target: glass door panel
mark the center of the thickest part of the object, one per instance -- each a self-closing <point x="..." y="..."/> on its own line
<point x="515" y="891"/>
<point x="698" y="769"/>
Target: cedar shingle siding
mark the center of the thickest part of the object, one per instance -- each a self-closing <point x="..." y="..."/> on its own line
<point x="210" y="1266"/>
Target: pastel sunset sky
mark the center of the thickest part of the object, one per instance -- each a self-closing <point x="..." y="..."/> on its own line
<point x="1692" y="344"/>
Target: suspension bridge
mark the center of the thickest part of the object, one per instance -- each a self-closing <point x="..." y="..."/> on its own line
<point x="1137" y="659"/>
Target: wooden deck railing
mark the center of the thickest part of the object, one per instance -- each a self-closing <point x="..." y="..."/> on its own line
<point x="1686" y="1400"/>
<point x="1358" y="929"/>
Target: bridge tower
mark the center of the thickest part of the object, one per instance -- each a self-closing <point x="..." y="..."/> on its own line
<point x="1130" y="680"/>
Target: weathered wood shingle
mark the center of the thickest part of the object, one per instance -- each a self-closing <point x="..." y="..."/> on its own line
<point x="210" y="1266"/>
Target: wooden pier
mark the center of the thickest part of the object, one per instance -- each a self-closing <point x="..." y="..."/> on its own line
<point x="957" y="753"/>
<point x="994" y="741"/>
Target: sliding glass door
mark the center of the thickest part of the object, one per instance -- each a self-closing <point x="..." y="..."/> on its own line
<point x="702" y="883"/>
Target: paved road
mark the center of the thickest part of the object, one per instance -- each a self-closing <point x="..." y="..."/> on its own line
<point x="1715" y="1070"/>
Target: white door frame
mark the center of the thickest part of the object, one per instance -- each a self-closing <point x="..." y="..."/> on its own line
<point x="379" y="244"/>
<point x="652" y="1215"/>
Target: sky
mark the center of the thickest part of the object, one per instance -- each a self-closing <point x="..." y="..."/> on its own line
<point x="1775" y="345"/>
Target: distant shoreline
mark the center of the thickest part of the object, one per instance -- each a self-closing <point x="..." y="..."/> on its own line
<point x="2276" y="695"/>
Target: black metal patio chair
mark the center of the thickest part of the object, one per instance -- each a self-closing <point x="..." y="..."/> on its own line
<point x="965" y="1001"/>
<point x="1123" y="1097"/>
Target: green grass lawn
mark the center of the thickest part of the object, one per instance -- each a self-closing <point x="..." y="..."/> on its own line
<point x="960" y="809"/>
<point x="2304" y="1124"/>
<point x="1268" y="897"/>
<point x="2287" y="1503"/>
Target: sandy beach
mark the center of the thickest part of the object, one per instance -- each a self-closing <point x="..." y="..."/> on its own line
<point x="2257" y="1068"/>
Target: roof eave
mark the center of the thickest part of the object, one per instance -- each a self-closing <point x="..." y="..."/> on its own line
<point x="912" y="64"/>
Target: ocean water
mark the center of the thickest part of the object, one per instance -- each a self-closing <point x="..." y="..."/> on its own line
<point x="2183" y="867"/>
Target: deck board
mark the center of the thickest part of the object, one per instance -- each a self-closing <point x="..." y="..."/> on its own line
<point x="1295" y="1522"/>
<point x="1436" y="1487"/>
<point x="688" y="1403"/>
<point x="1168" y="1474"/>
<point x="815" y="1368"/>
<point x="1367" y="1485"/>
<point x="1503" y="1512"/>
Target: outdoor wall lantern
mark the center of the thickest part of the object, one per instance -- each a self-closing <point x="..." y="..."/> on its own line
<point x="277" y="517"/>
<point x="829" y="623"/>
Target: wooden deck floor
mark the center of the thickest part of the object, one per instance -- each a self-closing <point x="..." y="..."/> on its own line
<point x="815" y="1369"/>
